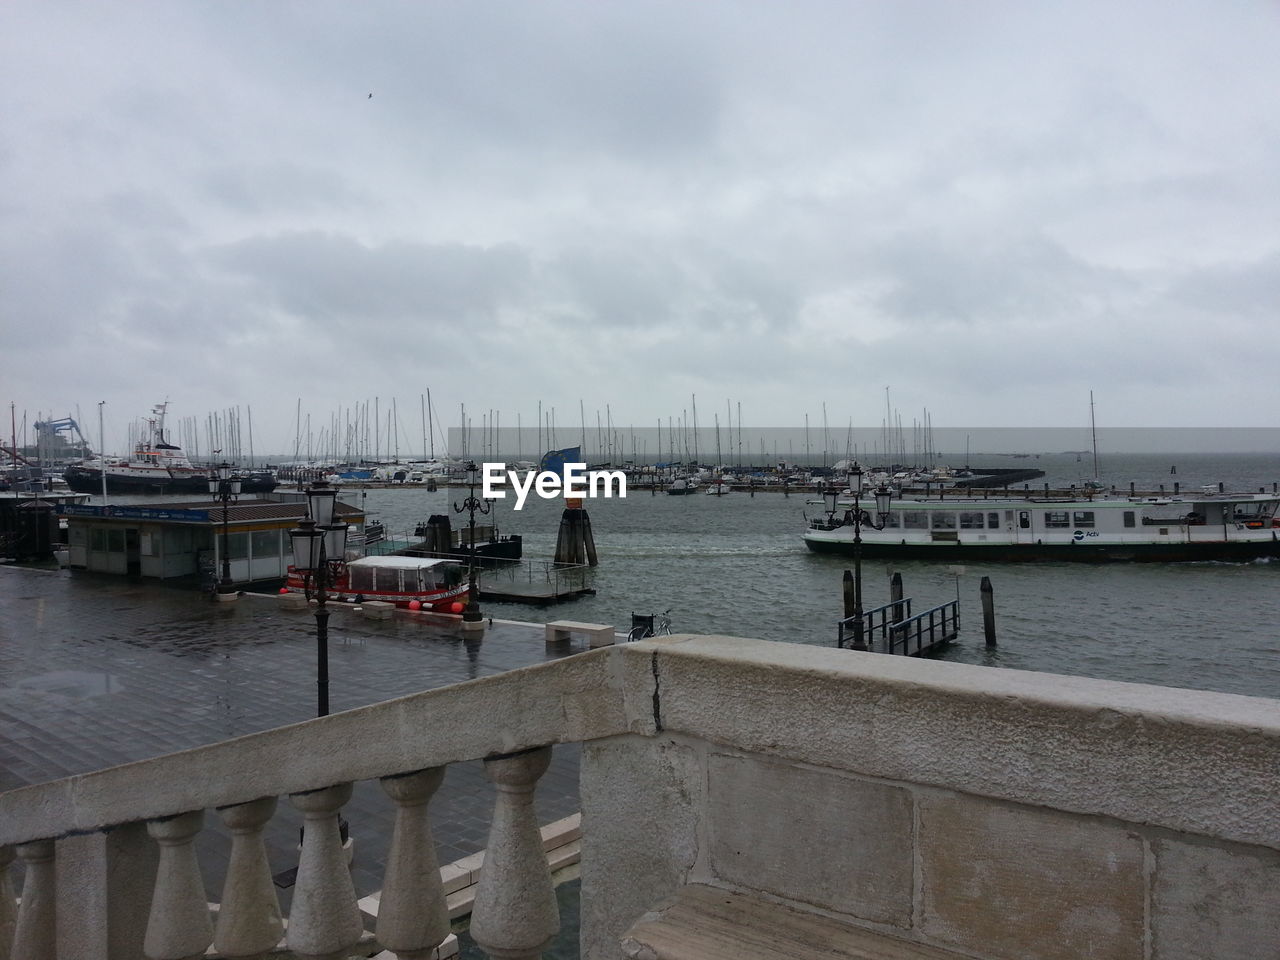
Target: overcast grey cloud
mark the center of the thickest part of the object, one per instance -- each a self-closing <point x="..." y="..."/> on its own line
<point x="990" y="207"/>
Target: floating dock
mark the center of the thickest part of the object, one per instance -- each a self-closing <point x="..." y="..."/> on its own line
<point x="537" y="582"/>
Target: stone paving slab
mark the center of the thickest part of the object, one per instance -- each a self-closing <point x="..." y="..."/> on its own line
<point x="97" y="671"/>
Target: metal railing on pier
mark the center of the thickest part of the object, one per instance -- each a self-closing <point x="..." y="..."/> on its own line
<point x="895" y="609"/>
<point x="928" y="629"/>
<point x="892" y="628"/>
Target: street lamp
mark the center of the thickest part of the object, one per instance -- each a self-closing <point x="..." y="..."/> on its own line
<point x="319" y="552"/>
<point x="471" y="617"/>
<point x="224" y="486"/>
<point x="883" y="495"/>
<point x="831" y="496"/>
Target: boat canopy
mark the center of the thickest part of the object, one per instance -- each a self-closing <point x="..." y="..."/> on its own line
<point x="401" y="574"/>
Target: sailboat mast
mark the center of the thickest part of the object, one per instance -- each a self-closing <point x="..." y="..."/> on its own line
<point x="1093" y="429"/>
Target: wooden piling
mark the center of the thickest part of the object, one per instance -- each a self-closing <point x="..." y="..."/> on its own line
<point x="895" y="595"/>
<point x="988" y="612"/>
<point x="848" y="594"/>
<point x="574" y="542"/>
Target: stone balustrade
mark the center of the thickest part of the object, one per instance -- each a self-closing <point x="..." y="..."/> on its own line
<point x="1000" y="814"/>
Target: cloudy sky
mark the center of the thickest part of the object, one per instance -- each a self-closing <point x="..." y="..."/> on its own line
<point x="991" y="208"/>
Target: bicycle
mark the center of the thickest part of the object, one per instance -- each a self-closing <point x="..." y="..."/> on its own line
<point x="643" y="627"/>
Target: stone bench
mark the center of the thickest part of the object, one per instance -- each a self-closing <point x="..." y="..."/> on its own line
<point x="707" y="923"/>
<point x="598" y="634"/>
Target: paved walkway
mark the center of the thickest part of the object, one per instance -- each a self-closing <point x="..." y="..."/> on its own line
<point x="96" y="671"/>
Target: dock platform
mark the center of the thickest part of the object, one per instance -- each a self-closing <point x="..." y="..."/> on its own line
<point x="537" y="582"/>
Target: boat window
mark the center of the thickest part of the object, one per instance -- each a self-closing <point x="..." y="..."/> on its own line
<point x="1057" y="518"/>
<point x="1082" y="518"/>
<point x="1024" y="519"/>
<point x="993" y="520"/>
<point x="971" y="521"/>
<point x="361" y="579"/>
<point x="915" y="519"/>
<point x="1130" y="519"/>
<point x="891" y="520"/>
<point x="944" y="520"/>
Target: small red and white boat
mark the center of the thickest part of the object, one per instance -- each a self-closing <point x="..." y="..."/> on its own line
<point x="435" y="584"/>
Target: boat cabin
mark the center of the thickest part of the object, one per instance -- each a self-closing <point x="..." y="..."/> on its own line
<point x="408" y="576"/>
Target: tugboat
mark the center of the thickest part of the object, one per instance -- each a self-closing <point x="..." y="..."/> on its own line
<point x="156" y="466"/>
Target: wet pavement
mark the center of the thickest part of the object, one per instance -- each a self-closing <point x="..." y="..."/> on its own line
<point x="97" y="671"/>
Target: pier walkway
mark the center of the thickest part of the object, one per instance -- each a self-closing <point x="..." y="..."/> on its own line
<point x="97" y="671"/>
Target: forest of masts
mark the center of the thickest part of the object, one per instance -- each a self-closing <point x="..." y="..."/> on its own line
<point x="374" y="430"/>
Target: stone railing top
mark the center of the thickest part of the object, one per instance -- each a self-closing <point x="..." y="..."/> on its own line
<point x="1190" y="760"/>
<point x="1193" y="760"/>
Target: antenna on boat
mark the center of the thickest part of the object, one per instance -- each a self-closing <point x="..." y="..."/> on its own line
<point x="1093" y="428"/>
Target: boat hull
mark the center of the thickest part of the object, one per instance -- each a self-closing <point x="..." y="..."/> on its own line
<point x="958" y="552"/>
<point x="89" y="480"/>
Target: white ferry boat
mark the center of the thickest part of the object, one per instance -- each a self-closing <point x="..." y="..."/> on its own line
<point x="1097" y="530"/>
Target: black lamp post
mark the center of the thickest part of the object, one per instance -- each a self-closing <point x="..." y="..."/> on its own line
<point x="319" y="551"/>
<point x="472" y="505"/>
<point x="883" y="495"/>
<point x="224" y="486"/>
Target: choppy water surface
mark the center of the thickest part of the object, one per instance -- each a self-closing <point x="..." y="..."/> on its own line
<point x="736" y="565"/>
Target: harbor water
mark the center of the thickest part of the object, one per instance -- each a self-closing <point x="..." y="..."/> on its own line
<point x="736" y="565"/>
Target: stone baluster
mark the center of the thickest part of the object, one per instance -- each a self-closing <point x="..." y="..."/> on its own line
<point x="179" y="927"/>
<point x="249" y="923"/>
<point x="325" y="920"/>
<point x="515" y="914"/>
<point x="35" y="937"/>
<point x="413" y="917"/>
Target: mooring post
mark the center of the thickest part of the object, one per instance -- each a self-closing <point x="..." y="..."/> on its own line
<point x="849" y="603"/>
<point x="988" y="612"/>
<point x="575" y="543"/>
<point x="895" y="595"/>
